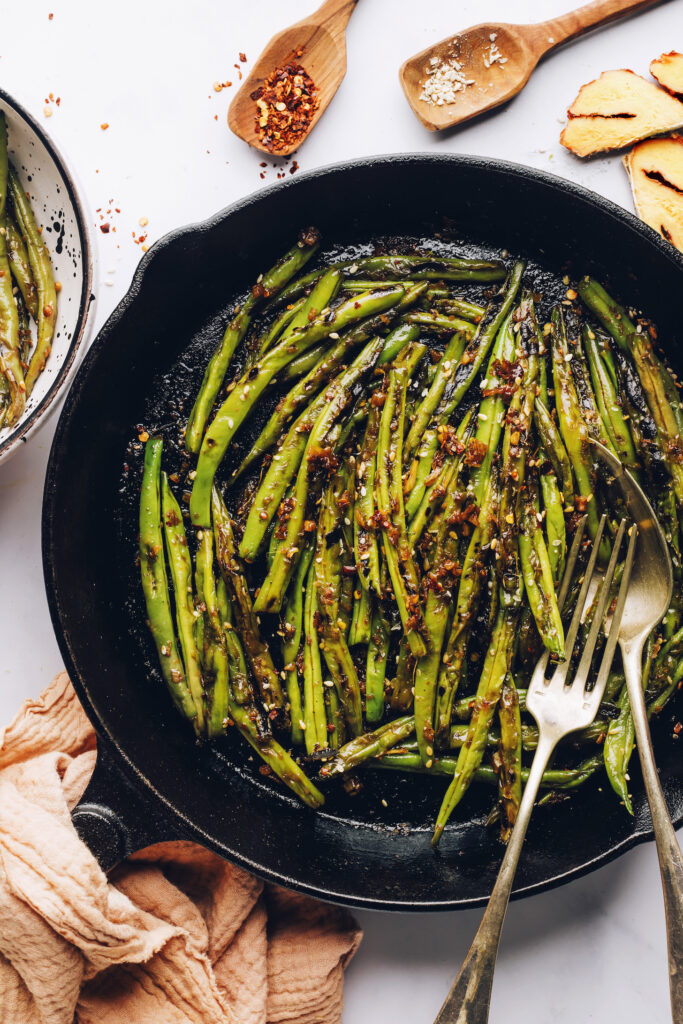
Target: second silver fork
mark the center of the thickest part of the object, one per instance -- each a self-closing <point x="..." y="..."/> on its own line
<point x="560" y="707"/>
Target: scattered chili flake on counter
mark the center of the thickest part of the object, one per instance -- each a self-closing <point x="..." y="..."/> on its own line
<point x="287" y="102"/>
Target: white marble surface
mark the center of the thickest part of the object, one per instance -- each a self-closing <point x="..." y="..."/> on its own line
<point x="594" y="949"/>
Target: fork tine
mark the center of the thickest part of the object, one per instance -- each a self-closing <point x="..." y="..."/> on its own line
<point x="571" y="561"/>
<point x="562" y="669"/>
<point x="570" y="565"/>
<point x="584" y="665"/>
<point x="613" y="636"/>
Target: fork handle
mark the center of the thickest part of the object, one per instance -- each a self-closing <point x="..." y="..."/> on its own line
<point x="668" y="850"/>
<point x="469" y="999"/>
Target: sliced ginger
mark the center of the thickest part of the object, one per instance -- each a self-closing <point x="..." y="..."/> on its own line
<point x="616" y="110"/>
<point x="668" y="71"/>
<point x="655" y="168"/>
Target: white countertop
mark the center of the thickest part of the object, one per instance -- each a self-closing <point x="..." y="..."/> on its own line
<point x="593" y="949"/>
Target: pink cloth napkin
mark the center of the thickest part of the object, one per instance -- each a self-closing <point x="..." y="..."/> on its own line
<point x="174" y="936"/>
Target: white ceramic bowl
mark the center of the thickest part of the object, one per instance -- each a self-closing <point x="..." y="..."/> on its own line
<point x="61" y="213"/>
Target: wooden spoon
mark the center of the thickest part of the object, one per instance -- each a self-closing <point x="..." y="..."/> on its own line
<point x="321" y="38"/>
<point x="521" y="47"/>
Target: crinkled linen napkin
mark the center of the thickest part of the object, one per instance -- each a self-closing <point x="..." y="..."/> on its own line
<point x="174" y="936"/>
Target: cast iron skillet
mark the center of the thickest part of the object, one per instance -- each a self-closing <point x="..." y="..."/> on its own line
<point x="152" y="780"/>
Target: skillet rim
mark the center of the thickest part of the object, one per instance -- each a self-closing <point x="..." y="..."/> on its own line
<point x="123" y="759"/>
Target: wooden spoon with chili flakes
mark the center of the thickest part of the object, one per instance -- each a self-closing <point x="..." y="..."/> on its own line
<point x="489" y="64"/>
<point x="293" y="81"/>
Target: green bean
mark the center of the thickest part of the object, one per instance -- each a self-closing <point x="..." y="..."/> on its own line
<point x="509" y="758"/>
<point x="258" y="653"/>
<point x="314" y="716"/>
<point x="155" y="582"/>
<point x="14" y="398"/>
<point x="470" y="364"/>
<point x="251" y="386"/>
<point x="637" y="343"/>
<point x="607" y="398"/>
<point x="180" y="565"/>
<point x="491" y="415"/>
<point x="278" y="760"/>
<point x="238" y="680"/>
<point x="400" y="689"/>
<point x="441" y="582"/>
<point x="308" y="386"/>
<point x="553" y="778"/>
<point x="268" y="284"/>
<point x="213" y="652"/>
<point x="371" y="744"/>
<point x="361" y="620"/>
<point x="335" y="718"/>
<point x="391" y="512"/>
<point x="20" y="266"/>
<point x="469" y="595"/>
<point x="496" y="668"/>
<point x="41" y="268"/>
<point x="452" y="305"/>
<point x="584" y="389"/>
<point x="434" y="492"/>
<point x="445" y="369"/>
<point x="617" y="749"/>
<point x="441" y="324"/>
<point x="292" y="619"/>
<point x="274" y="332"/>
<point x="429" y="268"/>
<point x="554" y="449"/>
<point x="376" y="666"/>
<point x="276" y="482"/>
<point x="303" y="364"/>
<point x="537" y="573"/>
<point x="366" y="550"/>
<point x="572" y="425"/>
<point x="396" y="341"/>
<point x="554" y="524"/>
<point x="328" y="568"/>
<point x="338" y="397"/>
<point x="514" y="455"/>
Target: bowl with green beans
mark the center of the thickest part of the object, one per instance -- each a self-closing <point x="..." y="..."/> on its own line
<point x="342" y="500"/>
<point x="45" y="275"/>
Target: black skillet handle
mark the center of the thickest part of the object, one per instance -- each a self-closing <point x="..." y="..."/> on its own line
<point x="113" y="819"/>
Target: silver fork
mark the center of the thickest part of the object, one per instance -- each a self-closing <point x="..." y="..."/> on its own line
<point x="559" y="709"/>
<point x="648" y="601"/>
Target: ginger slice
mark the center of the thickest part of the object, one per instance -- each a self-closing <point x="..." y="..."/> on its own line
<point x="655" y="168"/>
<point x="668" y="71"/>
<point x="616" y="110"/>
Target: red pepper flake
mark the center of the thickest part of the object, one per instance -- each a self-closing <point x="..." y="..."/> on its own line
<point x="104" y="228"/>
<point x="243" y="58"/>
<point x="677" y="728"/>
<point x="104" y="126"/>
<point x="50" y="17"/>
<point x="286" y="102"/>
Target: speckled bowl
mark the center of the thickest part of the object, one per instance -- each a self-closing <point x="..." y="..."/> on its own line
<point x="59" y="210"/>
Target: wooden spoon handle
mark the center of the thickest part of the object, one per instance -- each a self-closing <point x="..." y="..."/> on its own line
<point x="337" y="11"/>
<point x="552" y="33"/>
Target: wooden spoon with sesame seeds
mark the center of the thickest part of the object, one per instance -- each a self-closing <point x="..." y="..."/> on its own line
<point x="466" y="75"/>
<point x="318" y="44"/>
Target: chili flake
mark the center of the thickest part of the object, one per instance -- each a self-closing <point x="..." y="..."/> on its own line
<point x="286" y="102"/>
